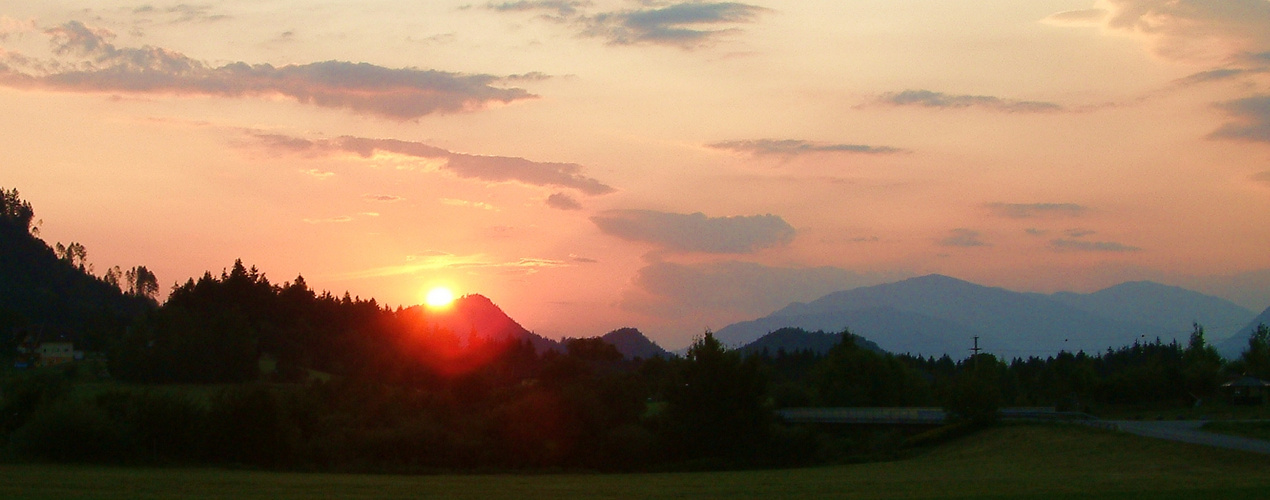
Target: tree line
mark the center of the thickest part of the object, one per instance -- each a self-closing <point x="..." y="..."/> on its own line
<point x="357" y="386"/>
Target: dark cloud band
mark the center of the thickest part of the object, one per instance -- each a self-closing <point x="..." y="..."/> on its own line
<point x="930" y="99"/>
<point x="487" y="168"/>
<point x="685" y="24"/>
<point x="794" y="147"/>
<point x="696" y="232"/>
<point x="1029" y="210"/>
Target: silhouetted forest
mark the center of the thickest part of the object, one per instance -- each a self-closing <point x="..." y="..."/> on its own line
<point x="236" y="369"/>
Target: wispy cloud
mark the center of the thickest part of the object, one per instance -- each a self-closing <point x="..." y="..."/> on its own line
<point x="1082" y="17"/>
<point x="183" y="13"/>
<point x="562" y="201"/>
<point x="469" y="204"/>
<point x="562" y="9"/>
<point x="436" y="260"/>
<point x="696" y="232"/>
<point x="10" y="26"/>
<point x="962" y="237"/>
<point x="318" y="174"/>
<point x="486" y="168"/>
<point x="383" y="198"/>
<point x="686" y="24"/>
<point x="1217" y="75"/>
<point x="931" y="99"/>
<point x="400" y="94"/>
<point x="1091" y="246"/>
<point x="1030" y="210"/>
<point x="1212" y="30"/>
<point x="581" y="259"/>
<point x="329" y="220"/>
<point x="795" y="147"/>
<point x="1262" y="177"/>
<point x="1252" y="116"/>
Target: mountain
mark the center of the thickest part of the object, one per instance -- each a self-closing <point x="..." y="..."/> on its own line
<point x="935" y="314"/>
<point x="478" y="315"/>
<point x="797" y="339"/>
<point x="1235" y="346"/>
<point x="1169" y="307"/>
<point x="633" y="344"/>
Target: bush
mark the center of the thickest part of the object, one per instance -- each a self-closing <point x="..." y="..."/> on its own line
<point x="23" y="395"/>
<point x="70" y="431"/>
<point x="161" y="428"/>
<point x="248" y="424"/>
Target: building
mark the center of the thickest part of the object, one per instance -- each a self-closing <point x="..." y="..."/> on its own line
<point x="1247" y="390"/>
<point x="40" y="348"/>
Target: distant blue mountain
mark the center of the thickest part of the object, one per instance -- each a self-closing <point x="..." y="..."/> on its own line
<point x="1235" y="346"/>
<point x="936" y="315"/>
<point x="1171" y="307"/>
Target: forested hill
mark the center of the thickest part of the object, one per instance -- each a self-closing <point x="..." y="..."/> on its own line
<point x="791" y="340"/>
<point x="44" y="292"/>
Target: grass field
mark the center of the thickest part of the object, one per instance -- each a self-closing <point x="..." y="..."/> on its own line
<point x="1256" y="430"/>
<point x="1039" y="462"/>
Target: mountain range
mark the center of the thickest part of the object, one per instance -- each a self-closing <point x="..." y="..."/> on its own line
<point x="478" y="315"/>
<point x="935" y="315"/>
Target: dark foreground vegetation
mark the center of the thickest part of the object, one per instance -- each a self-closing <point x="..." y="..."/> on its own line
<point x="233" y="369"/>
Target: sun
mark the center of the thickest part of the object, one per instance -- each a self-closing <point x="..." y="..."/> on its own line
<point x="439" y="297"/>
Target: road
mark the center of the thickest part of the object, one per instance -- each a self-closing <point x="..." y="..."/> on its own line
<point x="1188" y="431"/>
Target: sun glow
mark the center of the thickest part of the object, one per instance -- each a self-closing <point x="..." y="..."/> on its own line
<point x="439" y="297"/>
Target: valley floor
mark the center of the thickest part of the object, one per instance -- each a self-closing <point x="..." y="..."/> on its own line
<point x="1013" y="461"/>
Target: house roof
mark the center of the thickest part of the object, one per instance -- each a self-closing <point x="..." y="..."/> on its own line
<point x="1246" y="382"/>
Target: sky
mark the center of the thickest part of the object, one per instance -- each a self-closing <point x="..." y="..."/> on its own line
<point x="673" y="166"/>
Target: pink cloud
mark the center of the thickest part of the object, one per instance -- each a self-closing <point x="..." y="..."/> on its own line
<point x="487" y="168"/>
<point x="396" y="93"/>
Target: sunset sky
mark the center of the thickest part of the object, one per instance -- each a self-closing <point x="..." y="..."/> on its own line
<point x="671" y="166"/>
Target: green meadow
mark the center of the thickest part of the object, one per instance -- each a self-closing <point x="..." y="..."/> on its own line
<point x="1015" y="461"/>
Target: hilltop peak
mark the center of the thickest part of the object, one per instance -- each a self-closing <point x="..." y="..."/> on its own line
<point x="632" y="343"/>
<point x="476" y="313"/>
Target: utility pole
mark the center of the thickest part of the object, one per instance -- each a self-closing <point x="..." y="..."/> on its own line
<point x="976" y="350"/>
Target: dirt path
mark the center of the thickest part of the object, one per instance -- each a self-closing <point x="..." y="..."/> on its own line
<point x="1189" y="431"/>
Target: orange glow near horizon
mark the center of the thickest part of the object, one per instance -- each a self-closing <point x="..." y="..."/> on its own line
<point x="439" y="297"/>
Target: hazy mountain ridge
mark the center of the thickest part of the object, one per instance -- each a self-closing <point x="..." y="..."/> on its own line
<point x="1147" y="302"/>
<point x="906" y="329"/>
<point x="934" y="314"/>
<point x="1232" y="347"/>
